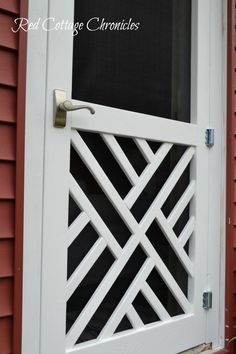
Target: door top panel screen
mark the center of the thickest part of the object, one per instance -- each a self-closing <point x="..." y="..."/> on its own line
<point x="134" y="55"/>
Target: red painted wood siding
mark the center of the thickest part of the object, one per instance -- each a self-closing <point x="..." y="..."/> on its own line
<point x="11" y="177"/>
<point x="230" y="315"/>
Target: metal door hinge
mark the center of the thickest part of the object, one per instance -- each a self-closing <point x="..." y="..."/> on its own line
<point x="209" y="137"/>
<point x="207" y="300"/>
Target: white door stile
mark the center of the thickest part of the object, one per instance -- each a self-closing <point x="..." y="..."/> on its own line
<point x="199" y="169"/>
<point x="217" y="164"/>
<point x="55" y="227"/>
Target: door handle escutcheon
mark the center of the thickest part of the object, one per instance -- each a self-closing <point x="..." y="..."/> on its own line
<point x="62" y="106"/>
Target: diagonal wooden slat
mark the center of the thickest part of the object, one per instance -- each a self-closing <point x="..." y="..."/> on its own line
<point x="167" y="276"/>
<point x="104" y="182"/>
<point x="175" y="176"/>
<point x="77" y="226"/>
<point x="147" y="174"/>
<point x="145" y="149"/>
<point x="96" y="220"/>
<point x="134" y="318"/>
<point x="121" y="158"/>
<point x="84" y="267"/>
<point x="127" y="300"/>
<point x="187" y="232"/>
<point x="155" y="302"/>
<point x="99" y="294"/>
<point x="181" y="204"/>
<point x="174" y="242"/>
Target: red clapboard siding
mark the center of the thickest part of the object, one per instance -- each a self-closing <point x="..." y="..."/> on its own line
<point x="8" y="142"/>
<point x="6" y="291"/>
<point x="7" y="217"/>
<point x="8" y="38"/>
<point x="234" y="190"/>
<point x="234" y="125"/>
<point x="12" y="6"/>
<point x="6" y="324"/>
<point x="12" y="52"/>
<point x="6" y="258"/>
<point x="8" y="67"/>
<point x="7" y="180"/>
<point x="7" y="104"/>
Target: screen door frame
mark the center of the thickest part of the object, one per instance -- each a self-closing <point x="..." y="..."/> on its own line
<point x="215" y="69"/>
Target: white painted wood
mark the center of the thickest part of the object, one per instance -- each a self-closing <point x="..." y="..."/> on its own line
<point x="134" y="318"/>
<point x="217" y="165"/>
<point x="121" y="158"/>
<point x="77" y="226"/>
<point x="33" y="183"/>
<point x="174" y="242"/>
<point x="102" y="179"/>
<point x="175" y="176"/>
<point x="127" y="299"/>
<point x="145" y="149"/>
<point x="86" y="264"/>
<point x="181" y="205"/>
<point x="155" y="302"/>
<point x="187" y="232"/>
<point x="167" y="277"/>
<point x="126" y="123"/>
<point x="96" y="220"/>
<point x="47" y="215"/>
<point x="200" y="113"/>
<point x="101" y="291"/>
<point x="147" y="174"/>
<point x="55" y="189"/>
<point x="141" y="341"/>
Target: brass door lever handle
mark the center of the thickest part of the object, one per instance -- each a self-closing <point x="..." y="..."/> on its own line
<point x="62" y="106"/>
<point x="68" y="106"/>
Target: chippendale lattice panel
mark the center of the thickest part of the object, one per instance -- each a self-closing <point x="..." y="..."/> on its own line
<point x="129" y="238"/>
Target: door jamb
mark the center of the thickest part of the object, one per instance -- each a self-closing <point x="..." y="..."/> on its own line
<point x="34" y="171"/>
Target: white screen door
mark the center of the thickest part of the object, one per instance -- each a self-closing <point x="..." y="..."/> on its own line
<point x="126" y="189"/>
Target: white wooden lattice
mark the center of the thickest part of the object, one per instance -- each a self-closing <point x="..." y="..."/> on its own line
<point x="138" y="231"/>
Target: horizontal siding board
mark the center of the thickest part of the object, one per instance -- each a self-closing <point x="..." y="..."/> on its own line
<point x="7" y="180"/>
<point x="234" y="171"/>
<point x="9" y="43"/>
<point x="234" y="148"/>
<point x="234" y="189"/>
<point x="6" y="258"/>
<point x="234" y="214"/>
<point x="7" y="218"/>
<point x="8" y="142"/>
<point x="8" y="104"/>
<point x="234" y="243"/>
<point x="8" y="67"/>
<point x="6" y="291"/>
<point x="6" y="329"/>
<point x="8" y="38"/>
<point x="10" y="6"/>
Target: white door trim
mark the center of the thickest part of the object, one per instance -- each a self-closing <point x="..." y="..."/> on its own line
<point x="34" y="172"/>
<point x="218" y="120"/>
